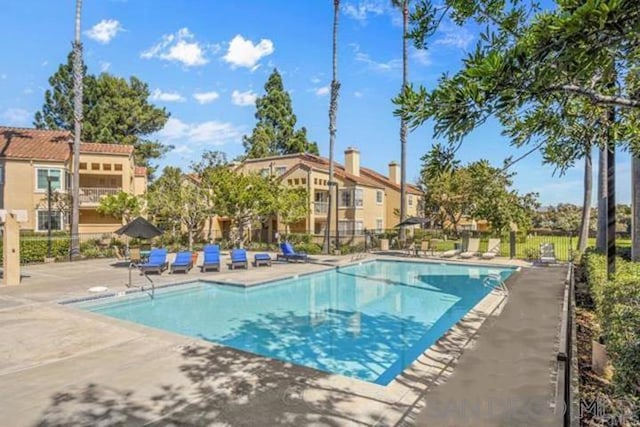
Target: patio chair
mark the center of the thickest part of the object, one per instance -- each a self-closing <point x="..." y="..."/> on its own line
<point x="157" y="262"/>
<point x="211" y="258"/>
<point x="118" y="254"/>
<point x="547" y="253"/>
<point x="183" y="262"/>
<point x="262" y="260"/>
<point x="473" y="247"/>
<point x="493" y="249"/>
<point x="238" y="259"/>
<point x="288" y="253"/>
<point x="425" y="247"/>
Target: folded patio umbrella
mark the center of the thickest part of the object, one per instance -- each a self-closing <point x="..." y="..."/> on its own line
<point x="140" y="228"/>
<point x="413" y="220"/>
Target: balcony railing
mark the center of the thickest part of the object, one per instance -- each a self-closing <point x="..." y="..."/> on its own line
<point x="320" y="207"/>
<point x="92" y="195"/>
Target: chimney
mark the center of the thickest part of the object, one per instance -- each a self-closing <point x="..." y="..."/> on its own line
<point x="352" y="161"/>
<point x="394" y="172"/>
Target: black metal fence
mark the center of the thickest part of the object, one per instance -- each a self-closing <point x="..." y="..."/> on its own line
<point x="38" y="248"/>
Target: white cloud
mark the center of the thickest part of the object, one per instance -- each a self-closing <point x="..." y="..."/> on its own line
<point x="104" y="66"/>
<point x="358" y="94"/>
<point x="453" y="36"/>
<point x="315" y="80"/>
<point x="209" y="132"/>
<point x="360" y="11"/>
<point x="244" y="53"/>
<point x="243" y="99"/>
<point x="380" y="67"/>
<point x="206" y="97"/>
<point x="104" y="31"/>
<point x="179" y="47"/>
<point x="16" y="117"/>
<point x="3" y="76"/>
<point x="323" y="91"/>
<point x="421" y="56"/>
<point x="158" y="95"/>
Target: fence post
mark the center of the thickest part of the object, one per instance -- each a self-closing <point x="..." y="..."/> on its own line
<point x="512" y="244"/>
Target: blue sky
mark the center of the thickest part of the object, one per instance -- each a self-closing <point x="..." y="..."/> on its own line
<point x="205" y="61"/>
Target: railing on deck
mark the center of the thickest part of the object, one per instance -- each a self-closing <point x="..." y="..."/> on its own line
<point x="92" y="195"/>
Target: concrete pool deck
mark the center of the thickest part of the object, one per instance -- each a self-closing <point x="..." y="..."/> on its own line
<point x="64" y="366"/>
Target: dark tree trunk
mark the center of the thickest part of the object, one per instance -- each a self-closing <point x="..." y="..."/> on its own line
<point x="77" y="130"/>
<point x="586" y="203"/>
<point x="601" y="240"/>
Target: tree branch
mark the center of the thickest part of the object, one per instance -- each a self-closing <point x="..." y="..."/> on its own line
<point x="596" y="97"/>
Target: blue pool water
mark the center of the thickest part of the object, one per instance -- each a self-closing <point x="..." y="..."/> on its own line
<point x="367" y="321"/>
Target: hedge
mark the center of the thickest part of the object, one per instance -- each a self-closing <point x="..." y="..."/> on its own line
<point x="618" y="312"/>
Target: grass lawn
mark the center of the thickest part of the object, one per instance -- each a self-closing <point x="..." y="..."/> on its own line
<point x="529" y="248"/>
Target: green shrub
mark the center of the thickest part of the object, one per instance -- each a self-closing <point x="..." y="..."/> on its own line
<point x="618" y="311"/>
<point x="299" y="238"/>
<point x="310" y="248"/>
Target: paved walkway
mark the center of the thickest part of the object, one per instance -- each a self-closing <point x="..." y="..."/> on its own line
<point x="62" y="366"/>
<point x="505" y="379"/>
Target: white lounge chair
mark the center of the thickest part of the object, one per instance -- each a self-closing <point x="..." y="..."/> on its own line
<point x="473" y="247"/>
<point x="493" y="249"/>
<point x="450" y="253"/>
<point x="547" y="253"/>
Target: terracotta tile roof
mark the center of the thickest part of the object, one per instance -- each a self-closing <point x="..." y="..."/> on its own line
<point x="55" y="145"/>
<point x="20" y="143"/>
<point x="412" y="189"/>
<point x="322" y="163"/>
<point x="140" y="171"/>
<point x="94" y="147"/>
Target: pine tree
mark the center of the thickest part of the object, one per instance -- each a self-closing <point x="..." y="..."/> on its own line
<point x="275" y="133"/>
<point x="115" y="111"/>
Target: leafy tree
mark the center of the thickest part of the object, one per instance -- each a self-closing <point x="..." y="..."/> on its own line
<point x="243" y="198"/>
<point x="209" y="159"/>
<point x="476" y="190"/>
<point x="121" y="206"/>
<point x="275" y="133"/>
<point x="114" y="111"/>
<point x="292" y="205"/>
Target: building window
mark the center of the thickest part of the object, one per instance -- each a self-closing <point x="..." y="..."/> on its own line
<point x="106" y="166"/>
<point x="379" y="197"/>
<point x="359" y="199"/>
<point x="296" y="181"/>
<point x="379" y="225"/>
<point x="303" y="181"/>
<point x="264" y="172"/>
<point x="41" y="179"/>
<point x="410" y="200"/>
<point x="43" y="220"/>
<point x="280" y="170"/>
<point x="83" y="166"/>
<point x="117" y="167"/>
<point x="1" y="174"/>
<point x="346" y="200"/>
<point x="346" y="227"/>
<point x="95" y="166"/>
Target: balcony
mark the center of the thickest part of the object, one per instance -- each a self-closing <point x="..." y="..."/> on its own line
<point x="92" y="195"/>
<point x="320" y="208"/>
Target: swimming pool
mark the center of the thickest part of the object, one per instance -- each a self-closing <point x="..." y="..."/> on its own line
<point x="367" y="321"/>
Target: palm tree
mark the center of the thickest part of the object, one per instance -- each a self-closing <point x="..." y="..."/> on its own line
<point x="77" y="117"/>
<point x="333" y="109"/>
<point x="404" y="6"/>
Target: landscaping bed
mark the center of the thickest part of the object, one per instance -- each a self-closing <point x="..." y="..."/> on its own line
<point x="606" y="312"/>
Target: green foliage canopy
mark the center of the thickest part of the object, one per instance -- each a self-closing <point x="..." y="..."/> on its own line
<point x="115" y="111"/>
<point x="274" y="133"/>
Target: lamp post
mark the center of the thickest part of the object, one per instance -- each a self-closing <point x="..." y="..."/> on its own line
<point x="50" y="179"/>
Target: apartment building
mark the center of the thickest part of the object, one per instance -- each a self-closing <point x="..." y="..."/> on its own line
<point x="33" y="159"/>
<point x="367" y="200"/>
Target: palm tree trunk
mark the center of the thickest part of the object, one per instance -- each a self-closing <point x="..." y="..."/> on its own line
<point x="586" y="202"/>
<point x="403" y="123"/>
<point x="77" y="118"/>
<point x="601" y="240"/>
<point x="333" y="109"/>
<point x="635" y="208"/>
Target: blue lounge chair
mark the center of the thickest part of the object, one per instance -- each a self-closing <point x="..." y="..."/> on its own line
<point x="288" y="253"/>
<point x="182" y="262"/>
<point x="211" y="258"/>
<point x="238" y="259"/>
<point x="261" y="259"/>
<point x="157" y="262"/>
